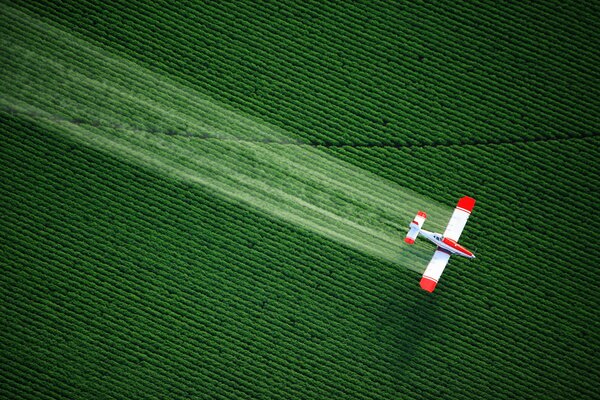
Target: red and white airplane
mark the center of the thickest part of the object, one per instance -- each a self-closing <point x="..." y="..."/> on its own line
<point x="447" y="244"/>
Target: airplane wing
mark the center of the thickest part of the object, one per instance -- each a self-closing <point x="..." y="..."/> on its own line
<point x="434" y="270"/>
<point x="459" y="218"/>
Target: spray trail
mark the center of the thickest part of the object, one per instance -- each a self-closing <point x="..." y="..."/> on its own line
<point x="70" y="78"/>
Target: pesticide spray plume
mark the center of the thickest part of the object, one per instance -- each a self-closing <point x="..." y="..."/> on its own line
<point x="234" y="155"/>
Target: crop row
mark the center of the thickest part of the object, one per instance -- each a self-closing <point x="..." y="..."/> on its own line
<point x="112" y="103"/>
<point x="555" y="273"/>
<point x="171" y="213"/>
<point x="136" y="228"/>
<point x="108" y="260"/>
<point x="522" y="336"/>
<point x="510" y="184"/>
<point x="167" y="214"/>
<point x="286" y="48"/>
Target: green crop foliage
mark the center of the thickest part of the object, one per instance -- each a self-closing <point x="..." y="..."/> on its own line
<point x="208" y="199"/>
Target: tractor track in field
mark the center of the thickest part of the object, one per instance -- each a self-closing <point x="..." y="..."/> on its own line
<point x="289" y="142"/>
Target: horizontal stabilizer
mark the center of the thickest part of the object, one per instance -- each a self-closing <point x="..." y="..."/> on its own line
<point x="415" y="226"/>
<point x="411" y="236"/>
<point x="419" y="220"/>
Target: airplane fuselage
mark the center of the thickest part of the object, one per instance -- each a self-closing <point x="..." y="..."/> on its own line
<point x="447" y="244"/>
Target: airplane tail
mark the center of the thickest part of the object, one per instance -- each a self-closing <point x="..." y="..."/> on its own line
<point x="415" y="227"/>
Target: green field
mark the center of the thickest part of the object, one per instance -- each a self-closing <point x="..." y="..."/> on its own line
<point x="208" y="200"/>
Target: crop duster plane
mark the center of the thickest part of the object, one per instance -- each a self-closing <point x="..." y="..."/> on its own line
<point x="447" y="244"/>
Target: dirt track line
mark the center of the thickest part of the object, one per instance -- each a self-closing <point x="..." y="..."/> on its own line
<point x="287" y="142"/>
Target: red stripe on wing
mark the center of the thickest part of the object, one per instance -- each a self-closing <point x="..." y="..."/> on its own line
<point x="428" y="284"/>
<point x="466" y="203"/>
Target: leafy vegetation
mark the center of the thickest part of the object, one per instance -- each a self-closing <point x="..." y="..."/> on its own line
<point x="209" y="200"/>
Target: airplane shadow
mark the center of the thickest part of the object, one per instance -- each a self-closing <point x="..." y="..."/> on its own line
<point x="410" y="318"/>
